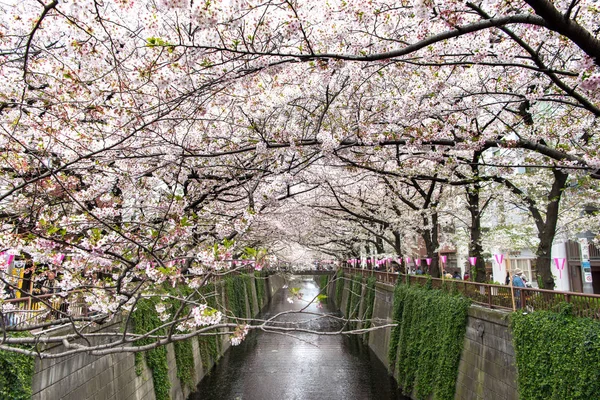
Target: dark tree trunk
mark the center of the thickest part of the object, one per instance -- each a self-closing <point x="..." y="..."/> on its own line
<point x="548" y="231"/>
<point x="432" y="243"/>
<point x="398" y="250"/>
<point x="475" y="247"/>
<point x="379" y="245"/>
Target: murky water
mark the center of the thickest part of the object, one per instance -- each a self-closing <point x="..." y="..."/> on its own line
<point x="298" y="366"/>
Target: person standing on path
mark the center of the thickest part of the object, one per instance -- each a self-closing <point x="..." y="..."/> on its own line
<point x="518" y="283"/>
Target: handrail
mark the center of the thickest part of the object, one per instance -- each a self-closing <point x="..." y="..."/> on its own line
<point x="35" y="308"/>
<point x="499" y="296"/>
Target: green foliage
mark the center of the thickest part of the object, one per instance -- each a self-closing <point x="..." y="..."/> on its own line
<point x="339" y="287"/>
<point x="249" y="283"/>
<point x="145" y="319"/>
<point x="16" y="373"/>
<point x="557" y="355"/>
<point x="235" y="291"/>
<point x="209" y="345"/>
<point x="209" y="350"/>
<point x="352" y="305"/>
<point x="323" y="282"/>
<point x="369" y="303"/>
<point x="184" y="356"/>
<point x="260" y="281"/>
<point x="426" y="345"/>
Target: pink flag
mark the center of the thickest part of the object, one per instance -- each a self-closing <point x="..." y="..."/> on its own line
<point x="408" y="260"/>
<point x="499" y="258"/>
<point x="418" y="261"/>
<point x="58" y="258"/>
<point x="444" y="259"/>
<point x="473" y="260"/>
<point x="428" y="260"/>
<point x="560" y="266"/>
<point x="399" y="260"/>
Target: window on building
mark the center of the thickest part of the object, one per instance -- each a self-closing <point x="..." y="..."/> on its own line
<point x="528" y="266"/>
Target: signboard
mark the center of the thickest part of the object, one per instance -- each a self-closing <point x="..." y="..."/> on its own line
<point x="585" y="249"/>
<point x="587" y="271"/>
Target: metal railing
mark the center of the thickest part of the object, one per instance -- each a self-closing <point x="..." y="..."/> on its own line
<point x="37" y="309"/>
<point x="498" y="296"/>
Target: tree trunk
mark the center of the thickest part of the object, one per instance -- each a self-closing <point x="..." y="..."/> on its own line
<point x="432" y="244"/>
<point x="398" y="250"/>
<point x="548" y="231"/>
<point x="475" y="248"/>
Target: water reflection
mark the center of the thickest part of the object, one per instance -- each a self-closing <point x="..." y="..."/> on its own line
<point x="303" y="367"/>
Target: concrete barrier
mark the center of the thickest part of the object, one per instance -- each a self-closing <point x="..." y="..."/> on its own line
<point x="487" y="366"/>
<point x="114" y="377"/>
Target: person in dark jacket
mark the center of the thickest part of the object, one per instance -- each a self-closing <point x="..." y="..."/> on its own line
<point x="49" y="285"/>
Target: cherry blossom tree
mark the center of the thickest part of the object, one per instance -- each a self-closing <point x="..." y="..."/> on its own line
<point x="135" y="135"/>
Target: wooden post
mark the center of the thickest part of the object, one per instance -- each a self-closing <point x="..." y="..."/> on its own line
<point x="512" y="289"/>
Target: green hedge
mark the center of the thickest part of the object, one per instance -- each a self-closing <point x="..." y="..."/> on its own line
<point x="557" y="355"/>
<point x="16" y="373"/>
<point x="426" y="345"/>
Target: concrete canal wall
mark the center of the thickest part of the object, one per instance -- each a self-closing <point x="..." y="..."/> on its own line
<point x="487" y="365"/>
<point x="114" y="376"/>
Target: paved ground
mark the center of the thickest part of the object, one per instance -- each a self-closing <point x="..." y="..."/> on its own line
<point x="308" y="367"/>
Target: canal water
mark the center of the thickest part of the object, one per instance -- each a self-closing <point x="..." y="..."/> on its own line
<point x="298" y="366"/>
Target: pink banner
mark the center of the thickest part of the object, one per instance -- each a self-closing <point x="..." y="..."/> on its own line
<point x="58" y="258"/>
<point x="473" y="261"/>
<point x="417" y="262"/>
<point x="399" y="260"/>
<point x="428" y="260"/>
<point x="444" y="259"/>
<point x="560" y="265"/>
<point x="408" y="260"/>
<point x="499" y="258"/>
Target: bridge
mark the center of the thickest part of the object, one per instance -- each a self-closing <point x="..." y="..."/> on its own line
<point x="307" y="271"/>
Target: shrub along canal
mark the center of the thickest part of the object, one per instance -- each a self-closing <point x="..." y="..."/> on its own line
<point x="299" y="365"/>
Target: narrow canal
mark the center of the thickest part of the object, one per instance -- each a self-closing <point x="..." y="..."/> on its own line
<point x="298" y="366"/>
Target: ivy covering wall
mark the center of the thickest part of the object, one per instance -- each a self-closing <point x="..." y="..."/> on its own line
<point x="145" y="319"/>
<point x="235" y="291"/>
<point x="426" y="345"/>
<point x="323" y="282"/>
<point x="557" y="355"/>
<point x="339" y="288"/>
<point x="209" y="345"/>
<point x="369" y="303"/>
<point x="16" y="374"/>
<point x="353" y="303"/>
<point x="260" y="282"/>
